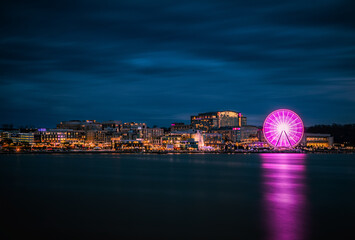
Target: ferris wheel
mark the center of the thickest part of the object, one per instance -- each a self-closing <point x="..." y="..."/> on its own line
<point x="283" y="128"/>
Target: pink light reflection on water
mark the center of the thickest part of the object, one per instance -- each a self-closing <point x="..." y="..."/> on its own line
<point x="284" y="196"/>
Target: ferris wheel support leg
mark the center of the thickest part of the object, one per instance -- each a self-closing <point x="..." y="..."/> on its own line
<point x="288" y="139"/>
<point x="278" y="139"/>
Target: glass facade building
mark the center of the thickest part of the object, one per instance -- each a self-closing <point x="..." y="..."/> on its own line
<point x="215" y="120"/>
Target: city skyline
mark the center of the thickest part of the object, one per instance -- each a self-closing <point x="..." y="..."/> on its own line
<point x="160" y="62"/>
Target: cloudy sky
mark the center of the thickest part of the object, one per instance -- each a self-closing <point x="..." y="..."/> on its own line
<point x="162" y="61"/>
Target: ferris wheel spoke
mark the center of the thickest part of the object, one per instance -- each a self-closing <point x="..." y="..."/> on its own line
<point x="271" y="132"/>
<point x="275" y="137"/>
<point x="294" y="120"/>
<point x="274" y="120"/>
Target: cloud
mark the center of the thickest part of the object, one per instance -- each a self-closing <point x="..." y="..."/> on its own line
<point x="159" y="60"/>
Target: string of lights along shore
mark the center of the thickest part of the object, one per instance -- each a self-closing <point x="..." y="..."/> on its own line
<point x="219" y="131"/>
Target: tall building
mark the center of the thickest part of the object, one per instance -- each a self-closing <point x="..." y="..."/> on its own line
<point x="215" y="120"/>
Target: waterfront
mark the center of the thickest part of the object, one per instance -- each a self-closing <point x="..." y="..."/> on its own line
<point x="219" y="196"/>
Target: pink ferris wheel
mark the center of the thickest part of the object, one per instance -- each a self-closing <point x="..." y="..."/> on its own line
<point x="283" y="128"/>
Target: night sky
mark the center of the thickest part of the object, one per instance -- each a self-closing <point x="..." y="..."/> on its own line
<point x="161" y="61"/>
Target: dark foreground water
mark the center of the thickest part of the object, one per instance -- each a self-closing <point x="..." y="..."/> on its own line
<point x="266" y="196"/>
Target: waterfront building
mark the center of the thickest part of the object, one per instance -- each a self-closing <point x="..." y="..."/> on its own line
<point x="150" y="134"/>
<point x="6" y="135"/>
<point x="127" y="145"/>
<point x="179" y="142"/>
<point x="213" y="141"/>
<point x="317" y="140"/>
<point x="28" y="138"/>
<point x="183" y="140"/>
<point x="248" y="132"/>
<point x="261" y="136"/>
<point x="132" y="131"/>
<point x="59" y="136"/>
<point x="229" y="134"/>
<point x="214" y="120"/>
<point x="100" y="136"/>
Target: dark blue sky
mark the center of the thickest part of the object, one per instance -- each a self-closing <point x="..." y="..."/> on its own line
<point x="162" y="61"/>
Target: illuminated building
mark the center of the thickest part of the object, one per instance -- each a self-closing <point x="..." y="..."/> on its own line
<point x="128" y="145"/>
<point x="213" y="140"/>
<point x="260" y="135"/>
<point x="183" y="140"/>
<point x="59" y="136"/>
<point x="132" y="131"/>
<point x="229" y="134"/>
<point x="214" y="120"/>
<point x="247" y="132"/>
<point x="27" y="138"/>
<point x="100" y="136"/>
<point x="151" y="134"/>
<point x="317" y="140"/>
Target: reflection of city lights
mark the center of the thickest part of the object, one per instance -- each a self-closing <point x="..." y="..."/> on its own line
<point x="284" y="195"/>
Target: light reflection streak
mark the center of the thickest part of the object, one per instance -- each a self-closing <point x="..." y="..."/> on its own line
<point x="284" y="196"/>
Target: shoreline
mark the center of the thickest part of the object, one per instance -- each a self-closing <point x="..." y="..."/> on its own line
<point x="176" y="153"/>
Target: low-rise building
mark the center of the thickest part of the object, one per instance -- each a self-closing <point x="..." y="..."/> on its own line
<point x="127" y="145"/>
<point x="213" y="141"/>
<point x="183" y="140"/>
<point x="229" y="134"/>
<point x="59" y="136"/>
<point x="151" y="133"/>
<point x="248" y="132"/>
<point x="28" y="138"/>
<point x="317" y="140"/>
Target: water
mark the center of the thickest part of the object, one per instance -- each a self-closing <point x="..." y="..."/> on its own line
<point x="199" y="196"/>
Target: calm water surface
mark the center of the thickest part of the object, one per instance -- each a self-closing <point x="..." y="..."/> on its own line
<point x="197" y="196"/>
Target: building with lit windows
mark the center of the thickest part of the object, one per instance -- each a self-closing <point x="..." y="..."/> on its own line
<point x="229" y="134"/>
<point x="317" y="140"/>
<point x="27" y="138"/>
<point x="213" y="141"/>
<point x="215" y="120"/>
<point x="59" y="136"/>
<point x="150" y="134"/>
<point x="248" y="132"/>
<point x="183" y="140"/>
